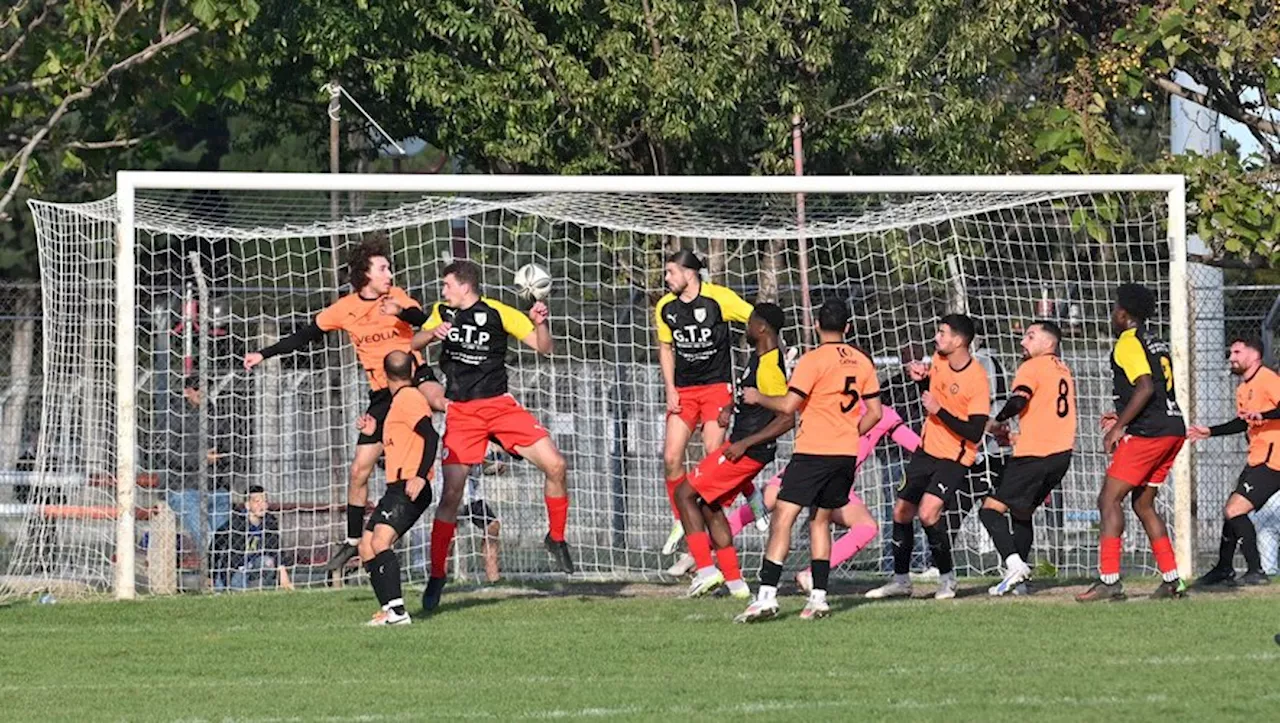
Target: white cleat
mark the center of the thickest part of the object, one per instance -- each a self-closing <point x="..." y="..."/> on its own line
<point x="388" y="617"/>
<point x="682" y="566"/>
<point x="705" y="584"/>
<point x="677" y="534"/>
<point x="946" y="587"/>
<point x="892" y="589"/>
<point x="804" y="579"/>
<point x="740" y="591"/>
<point x="1012" y="579"/>
<point x="758" y="610"/>
<point x="814" y="609"/>
<point x="756" y="501"/>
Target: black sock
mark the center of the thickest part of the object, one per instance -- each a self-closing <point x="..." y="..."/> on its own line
<point x="997" y="524"/>
<point x="355" y="521"/>
<point x="384" y="575"/>
<point x="903" y="541"/>
<point x="821" y="574"/>
<point x="770" y="572"/>
<point x="939" y="546"/>
<point x="1248" y="535"/>
<point x="1023" y="537"/>
<point x="1227" y="547"/>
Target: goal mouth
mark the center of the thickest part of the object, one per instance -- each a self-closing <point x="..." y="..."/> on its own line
<point x="216" y="265"/>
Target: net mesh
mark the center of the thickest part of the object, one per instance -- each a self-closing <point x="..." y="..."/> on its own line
<point x="220" y="273"/>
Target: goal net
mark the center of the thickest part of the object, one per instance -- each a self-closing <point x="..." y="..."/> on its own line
<point x="213" y="270"/>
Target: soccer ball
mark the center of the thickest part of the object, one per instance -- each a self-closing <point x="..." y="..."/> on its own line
<point x="533" y="282"/>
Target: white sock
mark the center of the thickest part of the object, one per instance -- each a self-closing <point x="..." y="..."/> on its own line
<point x="1013" y="562"/>
<point x="1110" y="579"/>
<point x="947" y="577"/>
<point x="1169" y="576"/>
<point x="902" y="579"/>
<point x="818" y="596"/>
<point x="397" y="603"/>
<point x="767" y="593"/>
<point x="706" y="571"/>
<point x="353" y="541"/>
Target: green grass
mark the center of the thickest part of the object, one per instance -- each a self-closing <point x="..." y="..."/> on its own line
<point x="591" y="652"/>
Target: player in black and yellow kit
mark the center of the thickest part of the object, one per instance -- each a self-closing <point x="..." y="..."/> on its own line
<point x="1143" y="436"/>
<point x="694" y="342"/>
<point x="729" y="470"/>
<point x="473" y="332"/>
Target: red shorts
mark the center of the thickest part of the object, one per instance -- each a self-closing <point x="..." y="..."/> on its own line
<point x="468" y="426"/>
<point x="702" y="404"/>
<point x="719" y="482"/>
<point x="1144" y="461"/>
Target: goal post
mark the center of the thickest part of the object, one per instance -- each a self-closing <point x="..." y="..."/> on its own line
<point x="876" y="240"/>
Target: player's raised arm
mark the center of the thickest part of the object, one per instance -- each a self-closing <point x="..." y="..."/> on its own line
<point x="533" y="330"/>
<point x="434" y="329"/>
<point x="300" y="339"/>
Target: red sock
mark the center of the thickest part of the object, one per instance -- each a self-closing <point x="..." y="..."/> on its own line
<point x="1109" y="556"/>
<point x="672" y="484"/>
<point x="700" y="548"/>
<point x="1163" y="550"/>
<point x="557" y="513"/>
<point x="441" y="538"/>
<point x="727" y="561"/>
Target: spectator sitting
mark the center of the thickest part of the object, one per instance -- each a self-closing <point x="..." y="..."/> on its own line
<point x="246" y="551"/>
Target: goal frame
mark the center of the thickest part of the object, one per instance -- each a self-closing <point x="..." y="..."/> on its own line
<point x="129" y="182"/>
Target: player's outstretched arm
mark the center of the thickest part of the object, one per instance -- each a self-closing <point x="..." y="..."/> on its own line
<point x="778" y="426"/>
<point x="540" y="338"/>
<point x="434" y="329"/>
<point x="778" y="405"/>
<point x="300" y="339"/>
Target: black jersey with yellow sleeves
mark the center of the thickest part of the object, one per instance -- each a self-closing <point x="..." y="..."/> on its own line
<point x="698" y="331"/>
<point x="474" y="355"/>
<point x="766" y="373"/>
<point x="1138" y="353"/>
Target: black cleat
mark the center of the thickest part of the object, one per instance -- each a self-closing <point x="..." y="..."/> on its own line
<point x="431" y="596"/>
<point x="559" y="552"/>
<point x="1102" y="592"/>
<point x="1217" y="576"/>
<point x="1175" y="590"/>
<point x="1255" y="577"/>
<point x="345" y="552"/>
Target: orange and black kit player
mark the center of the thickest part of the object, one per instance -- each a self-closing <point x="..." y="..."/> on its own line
<point x="1044" y="402"/>
<point x="1258" y="415"/>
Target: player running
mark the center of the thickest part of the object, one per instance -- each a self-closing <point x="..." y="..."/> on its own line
<point x="826" y="388"/>
<point x="1044" y="401"/>
<point x="374" y="333"/>
<point x="697" y="371"/>
<point x="410" y="442"/>
<point x="473" y="332"/>
<point x="1258" y="413"/>
<point x="1143" y="439"/>
<point x="957" y="401"/>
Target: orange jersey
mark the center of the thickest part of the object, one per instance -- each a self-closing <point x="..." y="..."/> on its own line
<point x="832" y="379"/>
<point x="964" y="393"/>
<point x="373" y="333"/>
<point x="1047" y="425"/>
<point x="403" y="438"/>
<point x="1261" y="393"/>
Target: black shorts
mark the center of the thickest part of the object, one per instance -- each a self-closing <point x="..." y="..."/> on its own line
<point x="379" y="405"/>
<point x="818" y="480"/>
<point x="925" y="473"/>
<point x="1027" y="481"/>
<point x="396" y="510"/>
<point x="1257" y="484"/>
<point x="480" y="513"/>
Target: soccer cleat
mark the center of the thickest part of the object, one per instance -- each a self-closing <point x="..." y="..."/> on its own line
<point x="804" y="580"/>
<point x="677" y="533"/>
<point x="1100" y="591"/>
<point x="431" y="596"/>
<point x="814" y="609"/>
<point x="388" y="617"/>
<point x="345" y="552"/>
<point x="756" y="502"/>
<point x="1170" y="590"/>
<point x="946" y="587"/>
<point x="758" y="610"/>
<point x="1255" y="577"/>
<point x="559" y="552"/>
<point x="705" y="584"/>
<point x="739" y="591"/>
<point x="1012" y="579"/>
<point x="1217" y="576"/>
<point x="682" y="566"/>
<point x="892" y="589"/>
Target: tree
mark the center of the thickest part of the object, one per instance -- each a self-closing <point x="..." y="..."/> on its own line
<point x="94" y="78"/>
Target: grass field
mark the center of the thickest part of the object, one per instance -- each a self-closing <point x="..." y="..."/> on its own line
<point x="612" y="652"/>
